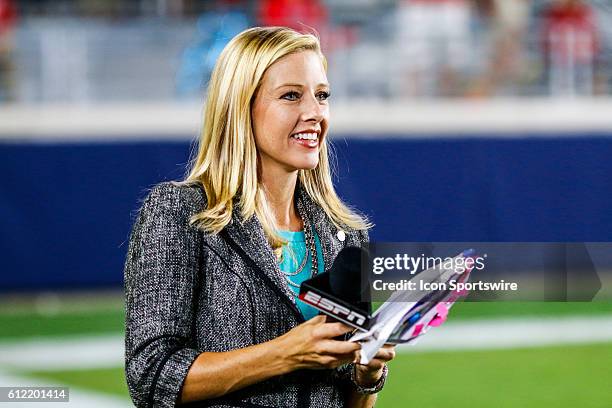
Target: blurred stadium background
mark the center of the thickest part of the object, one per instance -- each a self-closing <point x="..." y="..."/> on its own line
<point x="452" y="120"/>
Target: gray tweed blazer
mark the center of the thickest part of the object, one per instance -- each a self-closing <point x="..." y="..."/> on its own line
<point x="188" y="292"/>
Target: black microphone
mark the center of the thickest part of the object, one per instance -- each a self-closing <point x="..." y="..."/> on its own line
<point x="345" y="279"/>
<point x="339" y="292"/>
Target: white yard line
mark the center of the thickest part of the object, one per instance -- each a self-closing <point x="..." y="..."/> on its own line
<point x="76" y="352"/>
<point x="515" y="333"/>
<point x="108" y="351"/>
<point x="78" y="397"/>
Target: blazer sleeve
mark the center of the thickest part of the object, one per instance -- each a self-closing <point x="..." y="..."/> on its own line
<point x="160" y="280"/>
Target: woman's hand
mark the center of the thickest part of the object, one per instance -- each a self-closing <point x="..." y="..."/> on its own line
<point x="312" y="345"/>
<point x="368" y="374"/>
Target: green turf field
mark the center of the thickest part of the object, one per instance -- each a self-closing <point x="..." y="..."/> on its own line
<point x="560" y="377"/>
<point x="26" y="322"/>
<point x="576" y="376"/>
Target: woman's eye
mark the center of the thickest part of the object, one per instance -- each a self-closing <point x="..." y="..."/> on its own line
<point x="291" y="96"/>
<point x="323" y="96"/>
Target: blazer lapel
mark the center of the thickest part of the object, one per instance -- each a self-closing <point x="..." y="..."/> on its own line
<point x="250" y="237"/>
<point x="325" y="229"/>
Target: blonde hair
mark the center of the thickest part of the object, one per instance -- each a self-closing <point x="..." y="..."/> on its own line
<point x="226" y="161"/>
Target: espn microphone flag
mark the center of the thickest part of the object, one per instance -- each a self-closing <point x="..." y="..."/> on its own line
<point x="338" y="292"/>
<point x="405" y="316"/>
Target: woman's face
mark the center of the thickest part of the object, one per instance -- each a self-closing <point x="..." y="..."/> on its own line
<point x="290" y="113"/>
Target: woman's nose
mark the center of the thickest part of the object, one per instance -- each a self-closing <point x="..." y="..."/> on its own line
<point x="313" y="110"/>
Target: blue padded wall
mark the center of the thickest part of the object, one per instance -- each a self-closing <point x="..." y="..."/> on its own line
<point x="66" y="209"/>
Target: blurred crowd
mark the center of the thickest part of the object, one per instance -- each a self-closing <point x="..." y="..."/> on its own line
<point x="376" y="48"/>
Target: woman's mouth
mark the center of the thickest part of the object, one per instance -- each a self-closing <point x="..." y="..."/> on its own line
<point x="306" y="139"/>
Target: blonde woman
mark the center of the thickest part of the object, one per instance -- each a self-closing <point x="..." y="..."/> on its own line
<point x="214" y="262"/>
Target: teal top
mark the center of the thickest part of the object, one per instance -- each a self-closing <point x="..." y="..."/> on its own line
<point x="293" y="256"/>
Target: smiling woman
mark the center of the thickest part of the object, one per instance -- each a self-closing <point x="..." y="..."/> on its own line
<point x="214" y="261"/>
<point x="291" y="112"/>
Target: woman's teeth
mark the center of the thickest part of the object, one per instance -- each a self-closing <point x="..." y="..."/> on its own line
<point x="305" y="136"/>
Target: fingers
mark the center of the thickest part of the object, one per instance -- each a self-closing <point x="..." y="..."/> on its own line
<point x="334" y="361"/>
<point x="318" y="319"/>
<point x="385" y="353"/>
<point x="330" y="330"/>
<point x="339" y="347"/>
<point x="356" y="357"/>
<point x="374" y="365"/>
<point x="318" y="347"/>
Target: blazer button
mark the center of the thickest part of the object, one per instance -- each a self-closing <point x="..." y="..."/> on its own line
<point x="341" y="235"/>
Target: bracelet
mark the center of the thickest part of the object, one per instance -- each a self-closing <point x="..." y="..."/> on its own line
<point x="378" y="385"/>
